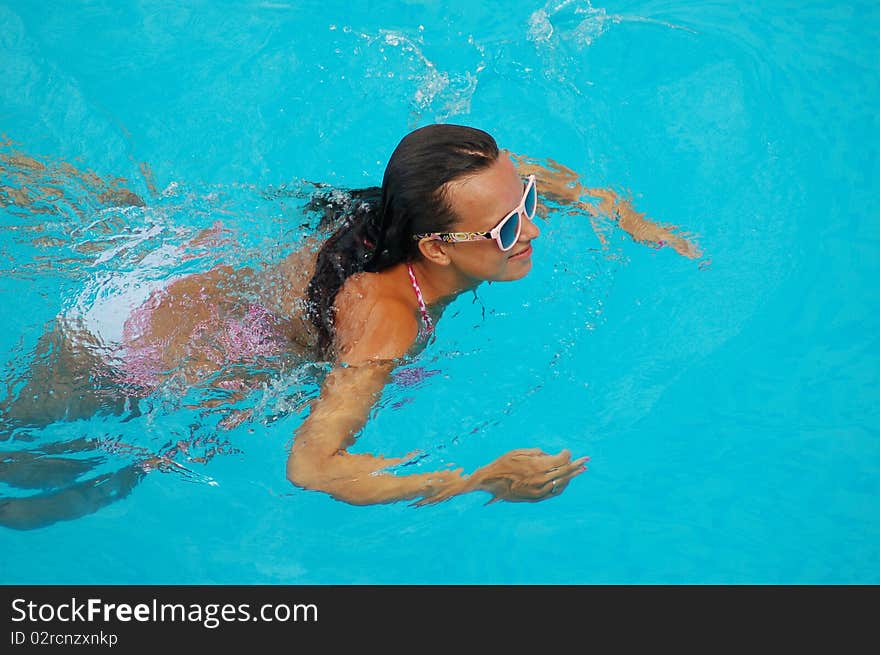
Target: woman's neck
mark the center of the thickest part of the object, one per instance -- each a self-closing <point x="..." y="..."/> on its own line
<point x="440" y="285"/>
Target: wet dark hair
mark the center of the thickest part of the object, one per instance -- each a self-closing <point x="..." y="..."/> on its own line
<point x="378" y="224"/>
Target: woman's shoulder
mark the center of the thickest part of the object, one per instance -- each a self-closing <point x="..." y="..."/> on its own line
<point x="373" y="320"/>
<point x="385" y="287"/>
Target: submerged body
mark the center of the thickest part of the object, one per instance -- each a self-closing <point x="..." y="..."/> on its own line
<point x="425" y="243"/>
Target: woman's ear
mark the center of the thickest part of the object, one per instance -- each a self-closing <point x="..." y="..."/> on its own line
<point x="435" y="250"/>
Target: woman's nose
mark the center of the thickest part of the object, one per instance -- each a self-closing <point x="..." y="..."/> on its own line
<point x="529" y="229"/>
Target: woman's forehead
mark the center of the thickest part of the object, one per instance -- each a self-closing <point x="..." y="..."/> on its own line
<point x="483" y="199"/>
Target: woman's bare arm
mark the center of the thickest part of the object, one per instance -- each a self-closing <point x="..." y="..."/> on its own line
<point x="561" y="184"/>
<point x="319" y="459"/>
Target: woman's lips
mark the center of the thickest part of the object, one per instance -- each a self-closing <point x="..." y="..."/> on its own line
<point x="522" y="254"/>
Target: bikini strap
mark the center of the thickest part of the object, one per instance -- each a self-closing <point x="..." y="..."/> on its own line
<point x="425" y="317"/>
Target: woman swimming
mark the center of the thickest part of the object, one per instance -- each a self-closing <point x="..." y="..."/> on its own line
<point x="453" y="212"/>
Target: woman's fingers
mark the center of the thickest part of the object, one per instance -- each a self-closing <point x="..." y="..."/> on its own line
<point x="548" y="463"/>
<point x="561" y="472"/>
<point x="562" y="458"/>
<point x="686" y="248"/>
<point x="556" y="485"/>
<point x="556" y="478"/>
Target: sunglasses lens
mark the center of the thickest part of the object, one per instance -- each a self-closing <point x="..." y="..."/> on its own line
<point x="509" y="231"/>
<point x="531" y="202"/>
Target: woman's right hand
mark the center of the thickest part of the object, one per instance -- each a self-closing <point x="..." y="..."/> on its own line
<point x="527" y="475"/>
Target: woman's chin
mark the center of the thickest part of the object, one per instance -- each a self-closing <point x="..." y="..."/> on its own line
<point x="519" y="271"/>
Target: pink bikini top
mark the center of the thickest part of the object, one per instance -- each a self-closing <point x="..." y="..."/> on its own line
<point x="429" y="326"/>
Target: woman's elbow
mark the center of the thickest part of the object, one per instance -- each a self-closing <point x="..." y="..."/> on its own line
<point x="303" y="470"/>
<point x="316" y="473"/>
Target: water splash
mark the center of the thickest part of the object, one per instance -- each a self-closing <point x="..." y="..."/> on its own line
<point x="561" y="31"/>
<point x="590" y="23"/>
<point x="580" y="23"/>
<point x="439" y="94"/>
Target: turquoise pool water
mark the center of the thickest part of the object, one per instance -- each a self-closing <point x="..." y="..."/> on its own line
<point x="729" y="404"/>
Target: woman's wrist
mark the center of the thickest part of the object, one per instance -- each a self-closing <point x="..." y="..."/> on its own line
<point x="471" y="482"/>
<point x="483" y="480"/>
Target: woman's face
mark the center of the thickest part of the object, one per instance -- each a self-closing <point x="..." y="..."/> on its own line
<point x="481" y="201"/>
